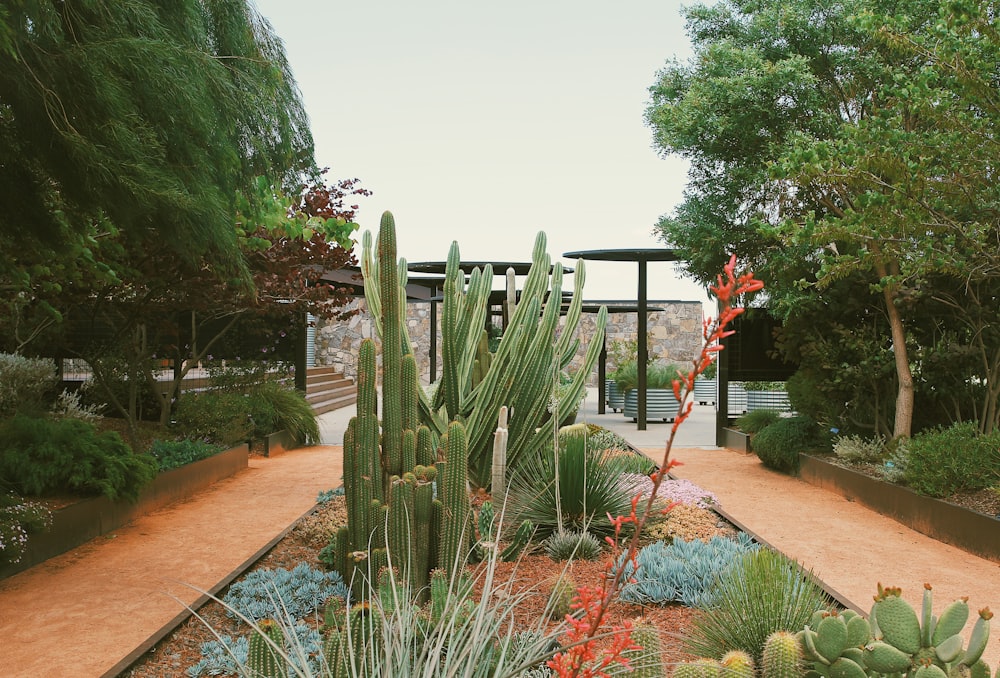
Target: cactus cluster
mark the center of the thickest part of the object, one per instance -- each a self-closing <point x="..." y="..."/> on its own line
<point x="782" y="658"/>
<point x="390" y="471"/>
<point x="895" y="641"/>
<point x="475" y="384"/>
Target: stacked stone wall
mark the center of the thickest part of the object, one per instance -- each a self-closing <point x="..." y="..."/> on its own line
<point x="674" y="334"/>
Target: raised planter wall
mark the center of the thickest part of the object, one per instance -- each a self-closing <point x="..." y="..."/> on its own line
<point x="736" y="440"/>
<point x="78" y="523"/>
<point x="279" y="442"/>
<point x="971" y="531"/>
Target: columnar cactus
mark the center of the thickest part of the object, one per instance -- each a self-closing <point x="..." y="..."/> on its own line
<point x="499" y="475"/>
<point x="782" y="656"/>
<point x="388" y="475"/>
<point x="647" y="660"/>
<point x="266" y="643"/>
<point x="457" y="528"/>
<point x="474" y="384"/>
<point x="737" y="664"/>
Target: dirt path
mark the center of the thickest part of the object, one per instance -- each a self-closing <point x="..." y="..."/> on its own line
<point x="849" y="547"/>
<point x="80" y="613"/>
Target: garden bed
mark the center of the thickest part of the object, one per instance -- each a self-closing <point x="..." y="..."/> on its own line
<point x="81" y="521"/>
<point x="969" y="530"/>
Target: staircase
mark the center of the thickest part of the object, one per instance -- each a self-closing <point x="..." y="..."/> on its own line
<point x="327" y="389"/>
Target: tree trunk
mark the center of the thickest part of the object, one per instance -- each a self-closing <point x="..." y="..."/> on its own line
<point x="903" y="424"/>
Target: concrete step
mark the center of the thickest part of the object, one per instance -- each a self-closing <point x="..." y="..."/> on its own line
<point x="335" y="403"/>
<point x="327" y="389"/>
<point x="328" y="383"/>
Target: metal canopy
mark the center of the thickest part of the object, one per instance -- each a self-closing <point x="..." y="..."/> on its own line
<point x="499" y="267"/>
<point x="640" y="256"/>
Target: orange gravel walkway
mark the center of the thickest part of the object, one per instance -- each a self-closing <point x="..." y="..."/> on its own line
<point x="848" y="546"/>
<point x="79" y="614"/>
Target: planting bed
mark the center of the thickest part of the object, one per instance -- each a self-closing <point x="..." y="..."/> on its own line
<point x="534" y="573"/>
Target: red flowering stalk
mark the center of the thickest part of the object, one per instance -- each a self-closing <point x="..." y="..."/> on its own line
<point x="580" y="658"/>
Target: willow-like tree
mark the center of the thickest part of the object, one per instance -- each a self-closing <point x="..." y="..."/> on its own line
<point x="141" y="117"/>
<point x="830" y="140"/>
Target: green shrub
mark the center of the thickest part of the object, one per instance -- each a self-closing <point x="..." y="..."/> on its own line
<point x="658" y="375"/>
<point x="18" y="519"/>
<point x="807" y="396"/>
<point x="764" y="591"/>
<point x="39" y="456"/>
<point x="25" y="383"/>
<point x="754" y="422"/>
<point x="231" y="417"/>
<point x="590" y="487"/>
<point x="219" y="417"/>
<point x="600" y="438"/>
<point x="947" y="460"/>
<point x="175" y="453"/>
<point x="778" y="445"/>
<point x="275" y="407"/>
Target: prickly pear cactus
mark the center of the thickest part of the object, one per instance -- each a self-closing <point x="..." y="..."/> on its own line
<point x="929" y="645"/>
<point x="832" y="644"/>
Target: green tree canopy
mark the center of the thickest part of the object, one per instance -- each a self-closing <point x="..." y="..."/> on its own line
<point x="142" y="118"/>
<point x="831" y="140"/>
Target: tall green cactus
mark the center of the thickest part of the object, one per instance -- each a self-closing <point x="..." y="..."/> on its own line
<point x="519" y="374"/>
<point x="388" y="476"/>
<point x="647" y="660"/>
<point x="456" y="535"/>
<point x="266" y="644"/>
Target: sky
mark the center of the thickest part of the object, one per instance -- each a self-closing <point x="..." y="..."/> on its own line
<point x="486" y="123"/>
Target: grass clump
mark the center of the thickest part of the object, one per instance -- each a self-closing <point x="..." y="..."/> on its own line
<point x="762" y="592"/>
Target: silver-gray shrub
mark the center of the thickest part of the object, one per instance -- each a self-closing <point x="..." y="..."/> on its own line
<point x="277" y="593"/>
<point x="24" y="383"/>
<point x="683" y="571"/>
<point x="854" y="448"/>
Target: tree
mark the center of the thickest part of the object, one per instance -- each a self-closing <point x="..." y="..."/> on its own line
<point x="164" y="305"/>
<point x="833" y="139"/>
<point x="145" y="117"/>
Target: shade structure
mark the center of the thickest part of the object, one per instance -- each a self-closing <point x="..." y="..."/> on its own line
<point x="642" y="257"/>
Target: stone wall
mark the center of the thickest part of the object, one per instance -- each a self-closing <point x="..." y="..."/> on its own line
<point x="675" y="335"/>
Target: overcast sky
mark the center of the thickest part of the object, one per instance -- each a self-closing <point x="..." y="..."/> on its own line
<point x="488" y="122"/>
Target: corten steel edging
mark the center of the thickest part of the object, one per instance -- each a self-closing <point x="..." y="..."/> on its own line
<point x="836" y="595"/>
<point x="93" y="517"/>
<point x="278" y="442"/>
<point x="135" y="655"/>
<point x="971" y="531"/>
<point x="735" y="440"/>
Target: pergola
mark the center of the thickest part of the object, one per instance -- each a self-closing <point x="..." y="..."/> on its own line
<point x="641" y="257"/>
